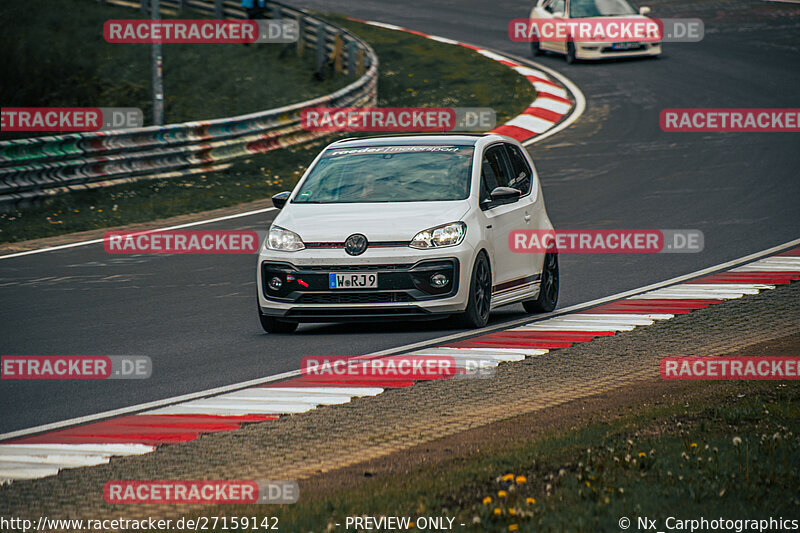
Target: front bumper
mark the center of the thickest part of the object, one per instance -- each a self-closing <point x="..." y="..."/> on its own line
<point x="404" y="290"/>
<point x="606" y="51"/>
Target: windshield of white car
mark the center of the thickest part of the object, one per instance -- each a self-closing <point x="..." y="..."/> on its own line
<point x="599" y="8"/>
<point x="368" y="174"/>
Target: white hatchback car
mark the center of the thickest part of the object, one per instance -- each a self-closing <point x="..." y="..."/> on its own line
<point x="575" y="10"/>
<point x="406" y="227"/>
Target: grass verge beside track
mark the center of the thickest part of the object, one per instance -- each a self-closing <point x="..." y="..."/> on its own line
<point x="414" y="72"/>
<point x="55" y="55"/>
<point x="730" y="452"/>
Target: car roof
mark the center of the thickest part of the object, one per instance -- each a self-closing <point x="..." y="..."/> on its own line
<point x="416" y="139"/>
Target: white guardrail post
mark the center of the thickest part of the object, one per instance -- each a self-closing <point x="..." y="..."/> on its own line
<point x="38" y="167"/>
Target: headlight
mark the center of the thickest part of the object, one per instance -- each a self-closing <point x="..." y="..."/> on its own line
<point x="283" y="240"/>
<point x="448" y="235"/>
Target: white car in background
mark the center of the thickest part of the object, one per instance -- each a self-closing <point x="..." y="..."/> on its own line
<point x="576" y="10"/>
<point x="406" y="227"/>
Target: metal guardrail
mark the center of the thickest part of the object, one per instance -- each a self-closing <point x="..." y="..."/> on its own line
<point x="44" y="166"/>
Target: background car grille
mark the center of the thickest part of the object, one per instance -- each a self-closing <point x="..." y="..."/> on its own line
<point x="355" y="298"/>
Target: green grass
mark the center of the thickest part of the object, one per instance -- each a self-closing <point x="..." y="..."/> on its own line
<point x="731" y="457"/>
<point x="414" y="72"/>
<point x="54" y="55"/>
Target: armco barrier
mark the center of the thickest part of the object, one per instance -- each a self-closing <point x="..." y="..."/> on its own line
<point x="43" y="166"/>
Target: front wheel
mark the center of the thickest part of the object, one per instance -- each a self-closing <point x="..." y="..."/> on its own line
<point x="480" y="295"/>
<point x="548" y="287"/>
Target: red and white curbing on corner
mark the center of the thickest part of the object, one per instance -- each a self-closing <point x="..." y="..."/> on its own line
<point x="45" y="454"/>
<point x="552" y="103"/>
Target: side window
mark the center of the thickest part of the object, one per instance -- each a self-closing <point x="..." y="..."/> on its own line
<point x="556" y="6"/>
<point x="521" y="174"/>
<point x="495" y="170"/>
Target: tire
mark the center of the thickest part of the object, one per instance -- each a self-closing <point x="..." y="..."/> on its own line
<point x="571" y="57"/>
<point x="535" y="48"/>
<point x="548" y="288"/>
<point x="480" y="294"/>
<point x="273" y="325"/>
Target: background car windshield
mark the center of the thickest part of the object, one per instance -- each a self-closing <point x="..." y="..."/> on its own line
<point x="599" y="8"/>
<point x="389" y="174"/>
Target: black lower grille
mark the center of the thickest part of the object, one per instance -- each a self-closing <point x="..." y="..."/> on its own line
<point x="355" y="298"/>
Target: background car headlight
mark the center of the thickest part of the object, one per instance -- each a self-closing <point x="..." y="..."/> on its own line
<point x="283" y="240"/>
<point x="448" y="235"/>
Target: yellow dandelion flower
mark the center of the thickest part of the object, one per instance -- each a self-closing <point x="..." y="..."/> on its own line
<point x="508" y="477"/>
<point x="502" y="494"/>
<point x="521" y="480"/>
<point x="693" y="445"/>
<point x="642" y="454"/>
<point x="588" y="484"/>
<point x="513" y="527"/>
<point x="512" y="511"/>
<point x="530" y="500"/>
<point x="487" y="500"/>
<point x="497" y="511"/>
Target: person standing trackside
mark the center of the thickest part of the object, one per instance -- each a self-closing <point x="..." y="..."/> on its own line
<point x="255" y="10"/>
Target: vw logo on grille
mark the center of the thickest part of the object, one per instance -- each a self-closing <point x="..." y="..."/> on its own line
<point x="355" y="244"/>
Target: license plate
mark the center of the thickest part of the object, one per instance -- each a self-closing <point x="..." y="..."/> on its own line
<point x="625" y="46"/>
<point x="353" y="280"/>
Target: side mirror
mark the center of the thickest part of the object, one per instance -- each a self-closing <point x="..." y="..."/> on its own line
<point x="505" y="194"/>
<point x="280" y="199"/>
<point x="644" y="10"/>
<point x="558" y="15"/>
<point x="501" y="196"/>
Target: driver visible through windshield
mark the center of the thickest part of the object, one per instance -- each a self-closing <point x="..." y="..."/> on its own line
<point x="389" y="174"/>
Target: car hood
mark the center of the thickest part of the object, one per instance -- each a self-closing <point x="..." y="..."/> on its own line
<point x="377" y="221"/>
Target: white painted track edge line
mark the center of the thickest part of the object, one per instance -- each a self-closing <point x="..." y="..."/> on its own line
<point x="402" y="349"/>
<point x="154" y="230"/>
